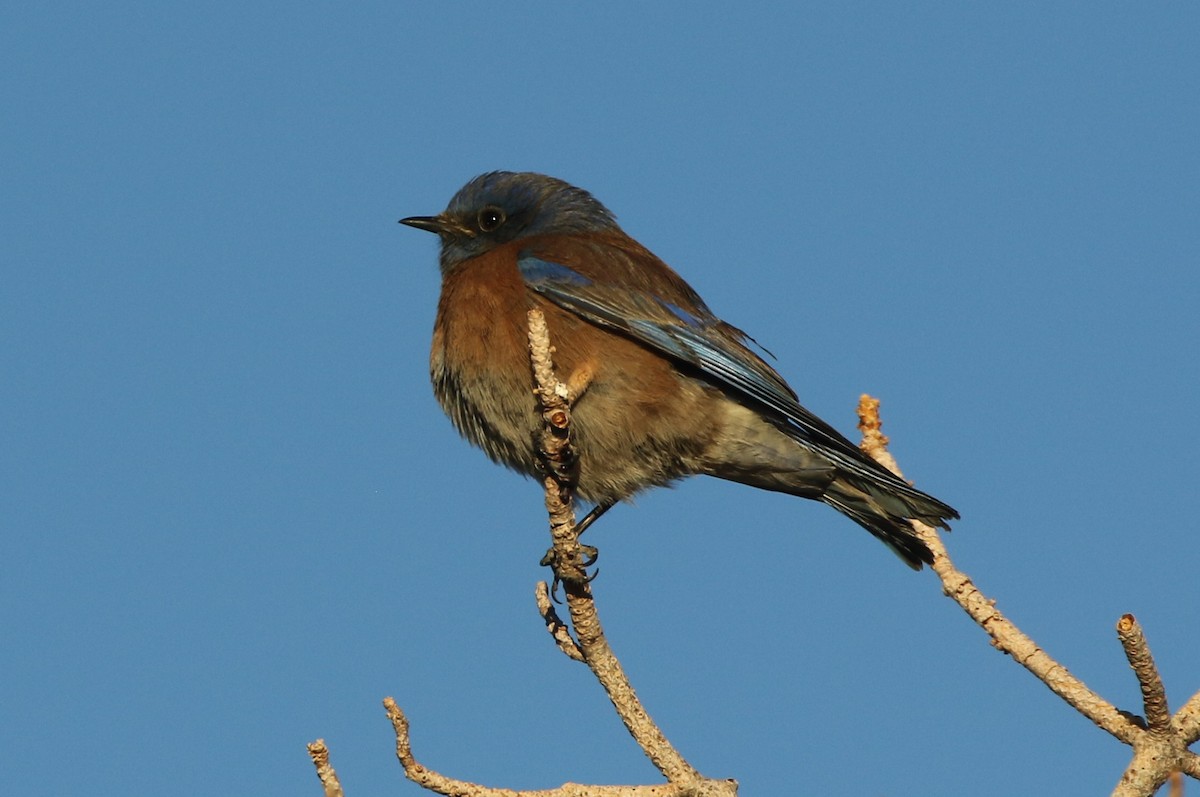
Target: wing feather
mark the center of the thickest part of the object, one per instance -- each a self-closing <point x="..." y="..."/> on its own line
<point x="699" y="339"/>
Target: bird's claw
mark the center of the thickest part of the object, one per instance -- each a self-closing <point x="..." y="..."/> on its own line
<point x="563" y="572"/>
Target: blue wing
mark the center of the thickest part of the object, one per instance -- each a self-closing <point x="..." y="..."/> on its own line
<point x="695" y="337"/>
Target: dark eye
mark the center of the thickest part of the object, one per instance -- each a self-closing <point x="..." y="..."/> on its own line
<point x="490" y="218"/>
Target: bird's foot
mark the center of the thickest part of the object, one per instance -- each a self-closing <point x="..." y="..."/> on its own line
<point x="571" y="572"/>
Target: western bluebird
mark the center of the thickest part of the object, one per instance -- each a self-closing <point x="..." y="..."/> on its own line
<point x="673" y="391"/>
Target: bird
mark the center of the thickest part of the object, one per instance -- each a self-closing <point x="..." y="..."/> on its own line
<point x="672" y="391"/>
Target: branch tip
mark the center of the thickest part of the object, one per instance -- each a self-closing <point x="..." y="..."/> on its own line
<point x="319" y="754"/>
<point x="554" y="624"/>
<point x="1154" y="695"/>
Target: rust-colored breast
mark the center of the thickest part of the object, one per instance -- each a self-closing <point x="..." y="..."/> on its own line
<point x="479" y="362"/>
<point x="638" y="423"/>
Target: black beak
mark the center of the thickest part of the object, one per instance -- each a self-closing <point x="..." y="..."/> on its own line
<point x="428" y="223"/>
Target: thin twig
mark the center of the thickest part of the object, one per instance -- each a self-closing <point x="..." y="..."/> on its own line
<point x="452" y="787"/>
<point x="554" y="624"/>
<point x="1159" y="750"/>
<point x="1187" y="719"/>
<point x="320" y="758"/>
<point x="423" y="776"/>
<point x="1154" y="696"/>
<point x="1005" y="635"/>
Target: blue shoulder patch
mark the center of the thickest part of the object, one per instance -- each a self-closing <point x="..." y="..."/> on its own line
<point x="681" y="314"/>
<point x="534" y="270"/>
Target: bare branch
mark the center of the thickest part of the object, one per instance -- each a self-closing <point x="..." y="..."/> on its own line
<point x="1005" y="635"/>
<point x="452" y="787"/>
<point x="1154" y="696"/>
<point x="1159" y="749"/>
<point x="554" y="624"/>
<point x="1187" y="719"/>
<point x="427" y="778"/>
<point x="320" y="758"/>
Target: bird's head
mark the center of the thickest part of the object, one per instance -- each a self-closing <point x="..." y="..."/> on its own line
<point x="499" y="207"/>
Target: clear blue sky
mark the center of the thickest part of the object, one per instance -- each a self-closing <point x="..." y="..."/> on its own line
<point x="234" y="518"/>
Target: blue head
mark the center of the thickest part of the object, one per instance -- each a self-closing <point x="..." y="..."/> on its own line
<point x="499" y="207"/>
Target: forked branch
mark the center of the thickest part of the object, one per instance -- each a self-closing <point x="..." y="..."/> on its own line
<point x="1160" y="742"/>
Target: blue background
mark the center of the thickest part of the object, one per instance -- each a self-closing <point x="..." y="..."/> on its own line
<point x="234" y="517"/>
